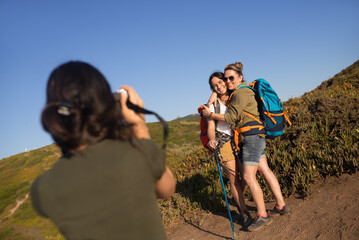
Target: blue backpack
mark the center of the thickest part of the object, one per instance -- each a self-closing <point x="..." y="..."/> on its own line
<point x="270" y="108"/>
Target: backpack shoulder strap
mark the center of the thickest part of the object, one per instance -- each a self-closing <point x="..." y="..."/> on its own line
<point x="217" y="108"/>
<point x="239" y="87"/>
<point x="250" y="86"/>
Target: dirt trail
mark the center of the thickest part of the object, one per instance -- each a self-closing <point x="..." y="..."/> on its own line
<point x="19" y="202"/>
<point x="331" y="212"/>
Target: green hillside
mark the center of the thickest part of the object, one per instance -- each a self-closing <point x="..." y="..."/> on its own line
<point x="323" y="141"/>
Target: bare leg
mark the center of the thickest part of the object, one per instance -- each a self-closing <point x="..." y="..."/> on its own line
<point x="235" y="185"/>
<point x="249" y="175"/>
<point x="244" y="185"/>
<point x="269" y="177"/>
<point x="272" y="181"/>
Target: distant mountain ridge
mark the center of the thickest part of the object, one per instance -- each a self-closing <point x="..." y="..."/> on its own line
<point x="190" y="116"/>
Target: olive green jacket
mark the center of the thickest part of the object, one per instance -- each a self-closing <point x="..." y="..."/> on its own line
<point x="242" y="99"/>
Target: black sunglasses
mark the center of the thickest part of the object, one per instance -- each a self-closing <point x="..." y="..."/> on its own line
<point x="229" y="78"/>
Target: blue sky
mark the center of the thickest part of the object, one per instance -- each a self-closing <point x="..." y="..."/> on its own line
<point x="166" y="50"/>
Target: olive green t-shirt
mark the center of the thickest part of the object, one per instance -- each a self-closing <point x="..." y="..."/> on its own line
<point x="106" y="191"/>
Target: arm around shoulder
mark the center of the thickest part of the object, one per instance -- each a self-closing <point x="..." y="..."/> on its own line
<point x="212" y="99"/>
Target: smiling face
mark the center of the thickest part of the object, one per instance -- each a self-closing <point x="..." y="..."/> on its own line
<point x="232" y="79"/>
<point x="219" y="85"/>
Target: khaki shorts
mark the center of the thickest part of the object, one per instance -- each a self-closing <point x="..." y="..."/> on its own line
<point x="226" y="152"/>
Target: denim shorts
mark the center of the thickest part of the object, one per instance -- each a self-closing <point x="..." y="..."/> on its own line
<point x="252" y="150"/>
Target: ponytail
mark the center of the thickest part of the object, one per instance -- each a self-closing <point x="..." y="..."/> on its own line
<point x="63" y="123"/>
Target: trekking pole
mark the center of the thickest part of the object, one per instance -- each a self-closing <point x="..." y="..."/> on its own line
<point x="217" y="157"/>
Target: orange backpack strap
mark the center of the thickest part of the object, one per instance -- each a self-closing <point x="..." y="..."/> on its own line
<point x="286" y="118"/>
<point x="236" y="138"/>
<point x="249" y="128"/>
<point x="271" y="115"/>
<point x="252" y="84"/>
<point x="253" y="127"/>
<point x="229" y="99"/>
<point x="254" y="118"/>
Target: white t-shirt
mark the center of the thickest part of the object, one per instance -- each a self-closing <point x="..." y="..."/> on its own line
<point x="222" y="126"/>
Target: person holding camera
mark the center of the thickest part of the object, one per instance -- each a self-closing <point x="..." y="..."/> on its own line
<point x="106" y="183"/>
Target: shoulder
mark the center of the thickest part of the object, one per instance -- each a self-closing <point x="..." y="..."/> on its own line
<point x="244" y="87"/>
<point x="244" y="90"/>
<point x="135" y="147"/>
<point x="150" y="149"/>
<point x="148" y="143"/>
<point x="35" y="195"/>
<point x="155" y="156"/>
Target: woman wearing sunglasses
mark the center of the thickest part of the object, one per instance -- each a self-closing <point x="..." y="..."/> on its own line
<point x="220" y="134"/>
<point x="252" y="146"/>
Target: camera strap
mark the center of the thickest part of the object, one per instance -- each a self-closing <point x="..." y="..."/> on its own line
<point x="139" y="109"/>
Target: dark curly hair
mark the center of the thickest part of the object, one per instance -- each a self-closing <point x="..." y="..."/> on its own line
<point x="219" y="75"/>
<point x="81" y="109"/>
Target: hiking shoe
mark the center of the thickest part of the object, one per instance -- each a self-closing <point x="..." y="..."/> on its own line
<point x="276" y="212"/>
<point x="245" y="219"/>
<point x="259" y="222"/>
